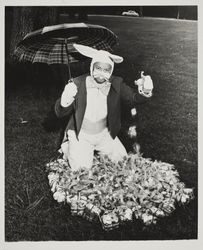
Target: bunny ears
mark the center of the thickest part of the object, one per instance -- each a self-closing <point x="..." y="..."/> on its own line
<point x="94" y="53"/>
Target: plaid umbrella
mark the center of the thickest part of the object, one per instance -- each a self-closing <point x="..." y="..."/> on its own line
<point x="54" y="44"/>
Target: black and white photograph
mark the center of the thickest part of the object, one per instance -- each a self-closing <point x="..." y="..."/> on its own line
<point x="100" y="122"/>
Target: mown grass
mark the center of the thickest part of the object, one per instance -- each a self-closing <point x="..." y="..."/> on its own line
<point x="167" y="131"/>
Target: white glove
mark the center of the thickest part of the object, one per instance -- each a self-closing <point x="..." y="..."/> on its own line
<point x="68" y="94"/>
<point x="145" y="85"/>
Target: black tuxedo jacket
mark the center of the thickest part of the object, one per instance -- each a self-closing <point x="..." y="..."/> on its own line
<point x="118" y="91"/>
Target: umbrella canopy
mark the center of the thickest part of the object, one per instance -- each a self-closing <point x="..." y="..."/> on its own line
<point x="53" y="44"/>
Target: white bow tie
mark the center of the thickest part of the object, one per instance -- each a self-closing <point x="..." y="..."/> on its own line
<point x="103" y="87"/>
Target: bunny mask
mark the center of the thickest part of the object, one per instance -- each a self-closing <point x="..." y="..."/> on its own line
<point x="98" y="56"/>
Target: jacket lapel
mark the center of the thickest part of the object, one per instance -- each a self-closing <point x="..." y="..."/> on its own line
<point x="115" y="85"/>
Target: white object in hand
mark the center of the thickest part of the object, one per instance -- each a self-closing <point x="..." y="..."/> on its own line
<point x="145" y="85"/>
<point x="68" y="94"/>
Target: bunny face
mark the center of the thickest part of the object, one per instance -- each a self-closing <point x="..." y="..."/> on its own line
<point x="102" y="65"/>
<point x="101" y="71"/>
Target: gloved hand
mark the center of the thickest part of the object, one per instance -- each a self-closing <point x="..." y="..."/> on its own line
<point x="68" y="94"/>
<point x="145" y="85"/>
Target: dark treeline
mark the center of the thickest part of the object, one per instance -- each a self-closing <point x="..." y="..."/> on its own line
<point x="182" y="12"/>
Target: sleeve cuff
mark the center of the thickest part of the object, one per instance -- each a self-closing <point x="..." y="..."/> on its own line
<point x="59" y="109"/>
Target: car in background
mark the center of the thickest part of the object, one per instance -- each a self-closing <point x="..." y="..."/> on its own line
<point x="130" y="13"/>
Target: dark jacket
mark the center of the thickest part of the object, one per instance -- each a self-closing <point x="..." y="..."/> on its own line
<point x="118" y="91"/>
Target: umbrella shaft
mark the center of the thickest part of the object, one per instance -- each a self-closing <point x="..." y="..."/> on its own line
<point x="69" y="71"/>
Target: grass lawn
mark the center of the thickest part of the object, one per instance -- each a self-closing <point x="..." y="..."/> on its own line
<point x="167" y="131"/>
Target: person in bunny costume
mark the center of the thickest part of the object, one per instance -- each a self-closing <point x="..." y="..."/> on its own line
<point x="91" y="103"/>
